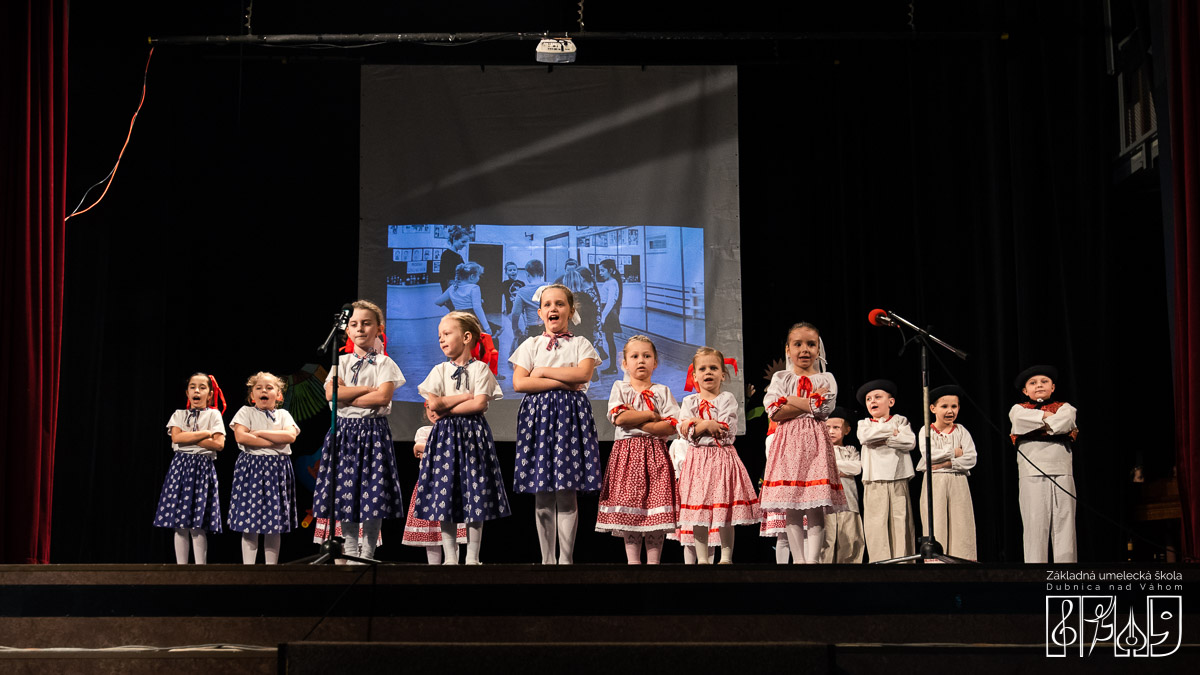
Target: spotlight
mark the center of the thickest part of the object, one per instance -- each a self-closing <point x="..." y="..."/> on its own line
<point x="556" y="50"/>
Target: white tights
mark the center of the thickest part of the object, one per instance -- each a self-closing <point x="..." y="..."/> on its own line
<point x="199" y="545"/>
<point x="271" y="544"/>
<point x="704" y="552"/>
<point x="805" y="543"/>
<point x="450" y="543"/>
<point x="654" y="546"/>
<point x="364" y="547"/>
<point x="557" y="517"/>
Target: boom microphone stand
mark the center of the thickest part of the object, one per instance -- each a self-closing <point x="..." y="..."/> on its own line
<point x="929" y="548"/>
<point x="331" y="549"/>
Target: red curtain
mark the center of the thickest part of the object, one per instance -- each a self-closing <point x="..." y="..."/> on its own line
<point x="33" y="134"/>
<point x="1184" y="101"/>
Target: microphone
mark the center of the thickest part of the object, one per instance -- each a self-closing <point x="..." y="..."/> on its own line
<point x="344" y="317"/>
<point x="879" y="317"/>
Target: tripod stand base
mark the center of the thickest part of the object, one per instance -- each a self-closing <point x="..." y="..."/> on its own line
<point x="331" y="552"/>
<point x="930" y="551"/>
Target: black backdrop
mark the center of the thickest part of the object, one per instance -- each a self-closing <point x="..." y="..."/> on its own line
<point x="958" y="178"/>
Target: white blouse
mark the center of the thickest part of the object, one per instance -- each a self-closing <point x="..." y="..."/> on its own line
<point x="724" y="410"/>
<point x="369" y="375"/>
<point x="941" y="448"/>
<point x="785" y="383"/>
<point x="566" y="354"/>
<point x="206" y="420"/>
<point x="625" y="397"/>
<point x="477" y="379"/>
<point x="885" y="452"/>
<point x="256" y="420"/>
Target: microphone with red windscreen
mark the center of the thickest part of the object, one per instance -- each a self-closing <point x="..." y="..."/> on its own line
<point x="879" y="317"/>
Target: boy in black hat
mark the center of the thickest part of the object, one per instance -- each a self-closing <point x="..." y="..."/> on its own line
<point x="843" y="530"/>
<point x="887" y="440"/>
<point x="952" y="452"/>
<point x="1043" y="429"/>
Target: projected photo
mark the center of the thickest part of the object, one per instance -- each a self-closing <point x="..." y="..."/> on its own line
<point x="627" y="281"/>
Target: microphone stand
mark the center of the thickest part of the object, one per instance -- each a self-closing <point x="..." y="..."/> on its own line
<point x="929" y="548"/>
<point x="331" y="549"/>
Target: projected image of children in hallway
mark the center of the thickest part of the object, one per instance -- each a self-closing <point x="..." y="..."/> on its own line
<point x="627" y="280"/>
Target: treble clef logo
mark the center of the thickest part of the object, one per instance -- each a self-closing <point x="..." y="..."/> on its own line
<point x="1063" y="635"/>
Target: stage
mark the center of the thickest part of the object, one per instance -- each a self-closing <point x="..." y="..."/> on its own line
<point x="600" y="618"/>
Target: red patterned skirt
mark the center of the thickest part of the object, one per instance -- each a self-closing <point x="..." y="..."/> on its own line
<point x="638" y="493"/>
<point x="420" y="532"/>
<point x="802" y="469"/>
<point x="715" y="489"/>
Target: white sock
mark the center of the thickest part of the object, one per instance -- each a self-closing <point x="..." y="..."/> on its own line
<point x="370" y="537"/>
<point x="433" y="554"/>
<point x="727" y="544"/>
<point x="654" y="546"/>
<point x="183" y="545"/>
<point x="701" y="535"/>
<point x="474" y="539"/>
<point x="795" y="535"/>
<point x="543" y="516"/>
<point x="449" y="543"/>
<point x="271" y="544"/>
<point x="200" y="545"/>
<point x="350" y="534"/>
<point x="815" y="536"/>
<point x="689" y="555"/>
<point x="567" y="507"/>
<point x="249" y="548"/>
<point x="782" y="551"/>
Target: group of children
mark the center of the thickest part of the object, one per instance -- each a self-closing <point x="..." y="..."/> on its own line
<point x="808" y="499"/>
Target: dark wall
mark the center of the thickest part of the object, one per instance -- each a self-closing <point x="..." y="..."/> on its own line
<point x="959" y="179"/>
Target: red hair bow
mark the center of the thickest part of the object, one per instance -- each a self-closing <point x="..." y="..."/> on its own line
<point x="690" y="383"/>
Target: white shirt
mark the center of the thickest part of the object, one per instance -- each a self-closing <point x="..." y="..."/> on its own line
<point x="567" y="354"/>
<point x="885" y="453"/>
<point x="207" y="420"/>
<point x="849" y="465"/>
<point x="477" y="380"/>
<point x="623" y="394"/>
<point x="422" y="435"/>
<point x="785" y="382"/>
<point x="725" y="409"/>
<point x="384" y="370"/>
<point x="256" y="420"/>
<point x="941" y="448"/>
<point x="1052" y="457"/>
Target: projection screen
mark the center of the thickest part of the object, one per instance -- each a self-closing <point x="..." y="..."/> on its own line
<point x="619" y="181"/>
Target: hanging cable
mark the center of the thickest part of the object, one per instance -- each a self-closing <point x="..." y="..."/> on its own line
<point x="112" y="174"/>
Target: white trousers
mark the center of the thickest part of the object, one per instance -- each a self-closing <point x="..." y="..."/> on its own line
<point x="1048" y="517"/>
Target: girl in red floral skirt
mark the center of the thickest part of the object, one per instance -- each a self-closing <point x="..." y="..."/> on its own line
<point x="802" y="477"/>
<point x="638" y="500"/>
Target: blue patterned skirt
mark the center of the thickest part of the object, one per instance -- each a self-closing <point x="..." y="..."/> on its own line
<point x="556" y="443"/>
<point x="460" y="479"/>
<point x="190" y="494"/>
<point x="264" y="495"/>
<point x="367" y="484"/>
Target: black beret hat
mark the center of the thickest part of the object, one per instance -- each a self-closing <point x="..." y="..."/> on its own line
<point x="946" y="390"/>
<point x="1049" y="371"/>
<point x="885" y="385"/>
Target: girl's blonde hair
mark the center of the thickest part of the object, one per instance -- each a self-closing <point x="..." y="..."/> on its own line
<point x="371" y="307"/>
<point x="639" y="338"/>
<point x="709" y="351"/>
<point x="280" y="384"/>
<point x="469" y="324"/>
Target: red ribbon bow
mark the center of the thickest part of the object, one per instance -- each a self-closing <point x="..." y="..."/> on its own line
<point x="555" y="337"/>
<point x="648" y="398"/>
